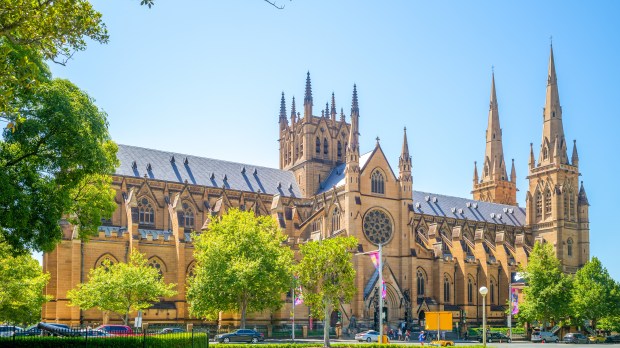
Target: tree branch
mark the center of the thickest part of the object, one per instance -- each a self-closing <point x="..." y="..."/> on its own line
<point x="273" y="3"/>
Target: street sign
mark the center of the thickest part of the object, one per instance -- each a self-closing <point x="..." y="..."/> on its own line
<point x="438" y="321"/>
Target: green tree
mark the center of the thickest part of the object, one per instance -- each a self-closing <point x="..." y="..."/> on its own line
<point x="241" y="265"/>
<point x="122" y="288"/>
<point x="610" y="323"/>
<point x="21" y="292"/>
<point x="57" y="162"/>
<point x="32" y="31"/>
<point x="595" y="294"/>
<point x="547" y="295"/>
<point x="327" y="276"/>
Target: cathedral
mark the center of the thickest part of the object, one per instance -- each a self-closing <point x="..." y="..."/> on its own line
<point x="438" y="250"/>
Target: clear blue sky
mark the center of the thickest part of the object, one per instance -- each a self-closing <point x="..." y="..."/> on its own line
<point x="205" y="77"/>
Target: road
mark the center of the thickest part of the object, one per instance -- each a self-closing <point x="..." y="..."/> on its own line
<point x="516" y="344"/>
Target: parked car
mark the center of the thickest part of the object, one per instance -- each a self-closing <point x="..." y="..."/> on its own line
<point x="368" y="336"/>
<point x="495" y="337"/>
<point x="612" y="339"/>
<point x="9" y="330"/>
<point x="34" y="330"/>
<point x="575" y="337"/>
<point x="544" y="337"/>
<point x="241" y="335"/>
<point x="169" y="330"/>
<point x="116" y="329"/>
<point x="95" y="333"/>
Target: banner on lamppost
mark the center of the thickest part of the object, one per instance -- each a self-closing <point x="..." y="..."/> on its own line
<point x="514" y="301"/>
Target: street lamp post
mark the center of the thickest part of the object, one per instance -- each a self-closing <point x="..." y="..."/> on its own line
<point x="483" y="291"/>
<point x="380" y="295"/>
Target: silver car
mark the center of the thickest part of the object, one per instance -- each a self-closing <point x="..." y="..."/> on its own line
<point x="368" y="336"/>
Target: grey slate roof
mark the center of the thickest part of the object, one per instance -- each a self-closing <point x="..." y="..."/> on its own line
<point x="204" y="171"/>
<point x="336" y="176"/>
<point x="441" y="205"/>
<point x="457" y="208"/>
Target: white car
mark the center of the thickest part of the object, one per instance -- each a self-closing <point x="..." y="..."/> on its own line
<point x="368" y="336"/>
<point x="544" y="337"/>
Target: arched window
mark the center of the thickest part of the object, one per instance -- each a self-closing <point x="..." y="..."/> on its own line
<point x="318" y="145"/>
<point x="106" y="261"/>
<point x="420" y="283"/>
<point x="486" y="170"/>
<point x="492" y="292"/>
<point x="157" y="264"/>
<point x="339" y="150"/>
<point x="545" y="153"/>
<point x="335" y="220"/>
<point x="446" y="289"/>
<point x="146" y="214"/>
<point x="470" y="291"/>
<point x="325" y="146"/>
<point x="377" y="182"/>
<point x="191" y="271"/>
<point x="301" y="149"/>
<point x="186" y="217"/>
<point x="538" y="204"/>
<point x="569" y="246"/>
<point x="547" y="201"/>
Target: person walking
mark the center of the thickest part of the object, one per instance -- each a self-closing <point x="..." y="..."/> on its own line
<point x="421" y="338"/>
<point x="407" y="334"/>
<point x="400" y="334"/>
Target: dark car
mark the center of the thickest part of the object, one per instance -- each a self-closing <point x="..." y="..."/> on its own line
<point x="170" y="330"/>
<point x="34" y="330"/>
<point x="575" y="337"/>
<point x="495" y="337"/>
<point x="612" y="339"/>
<point x="116" y="329"/>
<point x="241" y="335"/>
<point x="9" y="330"/>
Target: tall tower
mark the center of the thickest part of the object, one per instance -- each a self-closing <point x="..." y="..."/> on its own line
<point x="556" y="206"/>
<point x="495" y="185"/>
<point x="311" y="146"/>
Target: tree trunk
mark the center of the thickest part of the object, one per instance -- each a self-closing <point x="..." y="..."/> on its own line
<point x="326" y="326"/>
<point x="244" y="307"/>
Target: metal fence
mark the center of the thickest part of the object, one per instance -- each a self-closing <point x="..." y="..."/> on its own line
<point x="78" y="337"/>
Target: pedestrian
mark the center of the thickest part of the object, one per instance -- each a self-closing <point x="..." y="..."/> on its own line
<point x="443" y="335"/>
<point x="400" y="334"/>
<point x="407" y="334"/>
<point x="421" y="338"/>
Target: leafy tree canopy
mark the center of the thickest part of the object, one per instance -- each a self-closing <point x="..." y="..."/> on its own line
<point x="595" y="294"/>
<point x="122" y="288"/>
<point x="241" y="265"/>
<point x="21" y="292"/>
<point x="56" y="162"/>
<point x="327" y="276"/>
<point x="32" y="31"/>
<point x="548" y="292"/>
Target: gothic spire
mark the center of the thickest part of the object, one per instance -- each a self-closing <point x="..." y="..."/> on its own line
<point x="583" y="198"/>
<point x="326" y="109"/>
<point x="475" y="172"/>
<point x="293" y="111"/>
<point x="283" y="121"/>
<point x="354" y="133"/>
<point x="552" y="121"/>
<point x="308" y="99"/>
<point x="341" y="114"/>
<point x="354" y="105"/>
<point x="575" y="157"/>
<point x="532" y="160"/>
<point x="405" y="150"/>
<point x="494" y="154"/>
<point x="333" y="110"/>
<point x="513" y="172"/>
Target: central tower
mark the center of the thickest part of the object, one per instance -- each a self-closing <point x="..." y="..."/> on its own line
<point x="312" y="146"/>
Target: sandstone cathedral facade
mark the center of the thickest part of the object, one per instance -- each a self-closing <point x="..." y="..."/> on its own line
<point x="437" y="249"/>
